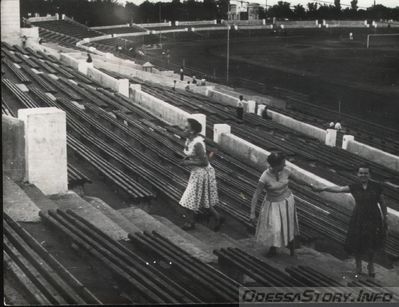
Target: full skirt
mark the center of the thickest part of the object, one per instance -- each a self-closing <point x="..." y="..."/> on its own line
<point x="277" y="223"/>
<point x="201" y="191"/>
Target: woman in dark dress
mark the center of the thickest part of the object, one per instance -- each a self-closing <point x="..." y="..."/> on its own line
<point x="367" y="226"/>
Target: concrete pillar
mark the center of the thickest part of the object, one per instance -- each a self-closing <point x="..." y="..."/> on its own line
<point x="45" y="149"/>
<point x="124" y="87"/>
<point x="251" y="106"/>
<point x="201" y="118"/>
<point x="261" y="107"/>
<point x="83" y="66"/>
<point x="331" y="137"/>
<point x="10" y="21"/>
<point x="13" y="149"/>
<point x="218" y="129"/>
<point x="346" y="139"/>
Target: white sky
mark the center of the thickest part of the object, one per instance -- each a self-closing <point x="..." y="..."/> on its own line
<point x="361" y="3"/>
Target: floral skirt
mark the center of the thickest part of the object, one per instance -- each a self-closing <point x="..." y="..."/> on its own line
<point x="201" y="191"/>
<point x="277" y="223"/>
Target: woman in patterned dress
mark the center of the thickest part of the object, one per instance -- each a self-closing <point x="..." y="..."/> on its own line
<point x="201" y="191"/>
<point x="277" y="222"/>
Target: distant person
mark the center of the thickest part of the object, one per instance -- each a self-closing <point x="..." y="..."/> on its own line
<point x="89" y="59"/>
<point x="187" y="86"/>
<point x="194" y="80"/>
<point x="264" y="113"/>
<point x="338" y="126"/>
<point x="24" y="39"/>
<point x="174" y="85"/>
<point x="201" y="191"/>
<point x="41" y="41"/>
<point x="181" y="74"/>
<point x="240" y="108"/>
<point x="277" y="223"/>
<point x="368" y="224"/>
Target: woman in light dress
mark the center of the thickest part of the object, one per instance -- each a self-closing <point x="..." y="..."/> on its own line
<point x="277" y="222"/>
<point x="201" y="191"/>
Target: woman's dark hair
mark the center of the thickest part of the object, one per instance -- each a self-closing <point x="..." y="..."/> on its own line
<point x="275" y="158"/>
<point x="195" y="125"/>
<point x="364" y="165"/>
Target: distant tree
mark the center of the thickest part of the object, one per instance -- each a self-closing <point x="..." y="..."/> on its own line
<point x="281" y="10"/>
<point x="299" y="11"/>
<point x="337" y="4"/>
<point x="354" y="5"/>
<point x="312" y="10"/>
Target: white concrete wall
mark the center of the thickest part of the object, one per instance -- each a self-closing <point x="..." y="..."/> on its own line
<point x="223" y="98"/>
<point x="41" y="18"/>
<point x="309" y="130"/>
<point x="121" y="85"/>
<point x="10" y="21"/>
<point x="164" y="111"/>
<point x="110" y="27"/>
<point x="195" y="22"/>
<point x="373" y="154"/>
<point x="45" y="149"/>
<point x="155" y="25"/>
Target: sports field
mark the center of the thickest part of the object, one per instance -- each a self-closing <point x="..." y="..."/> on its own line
<point x="323" y="64"/>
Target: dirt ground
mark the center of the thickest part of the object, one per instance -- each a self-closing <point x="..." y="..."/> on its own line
<point x="321" y="63"/>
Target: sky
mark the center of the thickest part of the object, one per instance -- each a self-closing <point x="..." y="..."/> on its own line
<point x="361" y="3"/>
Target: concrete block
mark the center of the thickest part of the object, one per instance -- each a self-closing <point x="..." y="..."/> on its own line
<point x="83" y="66"/>
<point x="123" y="87"/>
<point x="218" y="129"/>
<point x="10" y="21"/>
<point x="346" y="138"/>
<point x="331" y="137"/>
<point x="251" y="106"/>
<point x="45" y="149"/>
<point x="201" y="118"/>
<point x="13" y="149"/>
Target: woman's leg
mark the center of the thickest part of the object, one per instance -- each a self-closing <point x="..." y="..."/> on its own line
<point x="291" y="246"/>
<point x="218" y="218"/>
<point x="370" y="266"/>
<point x="358" y="260"/>
<point x="189" y="224"/>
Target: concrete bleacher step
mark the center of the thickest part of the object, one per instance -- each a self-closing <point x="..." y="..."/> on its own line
<point x="77" y="204"/>
<point x="146" y="222"/>
<point x="17" y="204"/>
<point x="112" y="214"/>
<point x="206" y="237"/>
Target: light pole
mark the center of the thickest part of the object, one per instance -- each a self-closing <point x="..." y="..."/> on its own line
<point x="228" y="54"/>
<point x="160" y="20"/>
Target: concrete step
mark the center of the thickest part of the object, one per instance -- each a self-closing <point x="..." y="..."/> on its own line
<point x="209" y="239"/>
<point x="37" y="196"/>
<point x="17" y="204"/>
<point x="188" y="235"/>
<point x="146" y="222"/>
<point x="74" y="202"/>
<point x="112" y="214"/>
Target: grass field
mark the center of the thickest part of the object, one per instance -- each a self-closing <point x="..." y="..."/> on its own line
<point x="320" y="63"/>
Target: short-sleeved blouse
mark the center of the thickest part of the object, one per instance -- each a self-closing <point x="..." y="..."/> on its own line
<point x="190" y="144"/>
<point x="277" y="190"/>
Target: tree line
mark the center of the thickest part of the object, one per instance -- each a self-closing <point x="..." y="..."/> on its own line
<point x="110" y="12"/>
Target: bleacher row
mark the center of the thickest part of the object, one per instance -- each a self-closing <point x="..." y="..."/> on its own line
<point x="151" y="268"/>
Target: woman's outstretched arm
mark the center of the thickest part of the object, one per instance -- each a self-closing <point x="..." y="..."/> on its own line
<point x="255" y="198"/>
<point x="332" y="189"/>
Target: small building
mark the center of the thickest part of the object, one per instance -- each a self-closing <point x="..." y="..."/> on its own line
<point x="243" y="10"/>
<point x="147" y="66"/>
